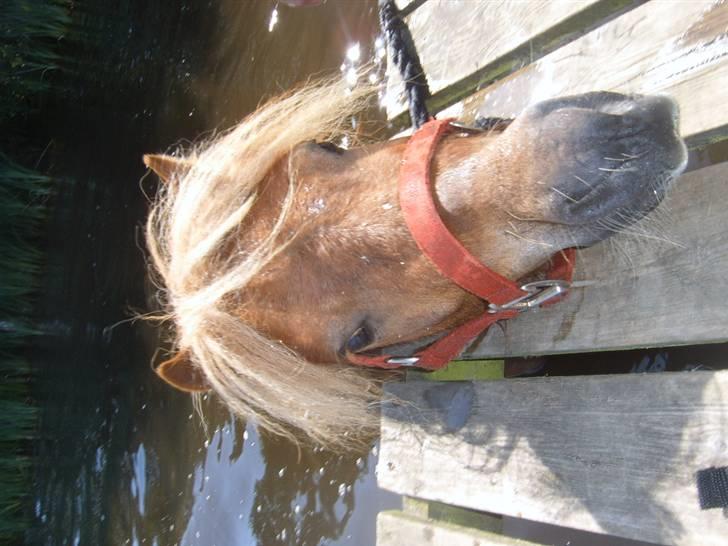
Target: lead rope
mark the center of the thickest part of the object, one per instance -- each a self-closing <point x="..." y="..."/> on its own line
<point x="404" y="55"/>
<point x="403" y="52"/>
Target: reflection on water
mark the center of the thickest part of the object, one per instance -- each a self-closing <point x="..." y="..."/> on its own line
<point x="262" y="489"/>
<point x="123" y="459"/>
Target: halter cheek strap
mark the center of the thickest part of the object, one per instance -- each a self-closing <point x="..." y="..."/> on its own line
<point x="505" y="298"/>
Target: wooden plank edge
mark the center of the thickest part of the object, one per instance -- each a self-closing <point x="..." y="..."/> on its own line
<point x="480" y="349"/>
<point x="539" y="46"/>
<point x="707" y="138"/>
<point x="456" y="515"/>
<point x="395" y="528"/>
<point x="462" y="370"/>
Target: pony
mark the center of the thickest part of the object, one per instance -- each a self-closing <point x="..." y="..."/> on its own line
<point x="278" y="253"/>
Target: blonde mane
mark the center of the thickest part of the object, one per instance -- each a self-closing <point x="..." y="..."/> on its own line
<point x="193" y="235"/>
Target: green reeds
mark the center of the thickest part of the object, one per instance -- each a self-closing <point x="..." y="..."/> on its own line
<point x="23" y="195"/>
<point x="33" y="37"/>
<point x="30" y="31"/>
<point x="22" y="213"/>
<point x="17" y="424"/>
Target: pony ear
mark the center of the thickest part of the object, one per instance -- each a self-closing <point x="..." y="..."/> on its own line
<point x="166" y="166"/>
<point x="182" y="374"/>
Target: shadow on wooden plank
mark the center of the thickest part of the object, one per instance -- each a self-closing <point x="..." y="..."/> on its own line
<point x="607" y="454"/>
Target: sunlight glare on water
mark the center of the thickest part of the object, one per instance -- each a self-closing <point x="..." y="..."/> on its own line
<point x="273" y="19"/>
<point x="221" y="484"/>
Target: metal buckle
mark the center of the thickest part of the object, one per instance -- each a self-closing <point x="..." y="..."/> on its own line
<point x="404" y="360"/>
<point x="539" y="292"/>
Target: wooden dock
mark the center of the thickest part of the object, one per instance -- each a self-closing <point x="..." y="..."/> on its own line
<point x="613" y="454"/>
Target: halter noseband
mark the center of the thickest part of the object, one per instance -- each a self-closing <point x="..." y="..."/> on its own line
<point x="505" y="298"/>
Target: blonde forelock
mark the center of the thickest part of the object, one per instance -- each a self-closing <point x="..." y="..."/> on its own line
<point x="189" y="232"/>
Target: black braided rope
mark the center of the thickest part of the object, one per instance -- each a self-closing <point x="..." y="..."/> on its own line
<point x="404" y="55"/>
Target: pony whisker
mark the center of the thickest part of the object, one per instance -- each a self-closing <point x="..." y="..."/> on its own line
<point x="618" y="170"/>
<point x="564" y="195"/>
<point x="520" y="218"/>
<point x="527" y="239"/>
<point x="632" y="156"/>
<point x="580" y="179"/>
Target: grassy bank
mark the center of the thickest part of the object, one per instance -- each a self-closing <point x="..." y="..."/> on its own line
<point x="32" y="32"/>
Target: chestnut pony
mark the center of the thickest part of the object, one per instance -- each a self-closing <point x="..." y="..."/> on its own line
<point x="277" y="252"/>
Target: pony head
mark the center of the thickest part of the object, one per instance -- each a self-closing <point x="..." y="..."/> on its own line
<point x="278" y="253"/>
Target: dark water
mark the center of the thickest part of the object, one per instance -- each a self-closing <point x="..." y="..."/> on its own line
<point x="122" y="459"/>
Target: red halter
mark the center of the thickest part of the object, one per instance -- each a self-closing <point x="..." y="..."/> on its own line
<point x="505" y="297"/>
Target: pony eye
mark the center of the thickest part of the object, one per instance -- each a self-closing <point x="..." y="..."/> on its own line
<point x="359" y="339"/>
<point x="330" y="147"/>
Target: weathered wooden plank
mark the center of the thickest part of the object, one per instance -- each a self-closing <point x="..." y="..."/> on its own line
<point x="663" y="282"/>
<point x="607" y="454"/>
<point x="398" y="529"/>
<point x="680" y="48"/>
<point x="465" y="44"/>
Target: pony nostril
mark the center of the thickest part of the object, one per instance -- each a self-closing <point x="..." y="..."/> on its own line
<point x="597" y="101"/>
<point x="617" y="108"/>
<point x="633" y="109"/>
<point x="615" y="126"/>
<point x="661" y="108"/>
